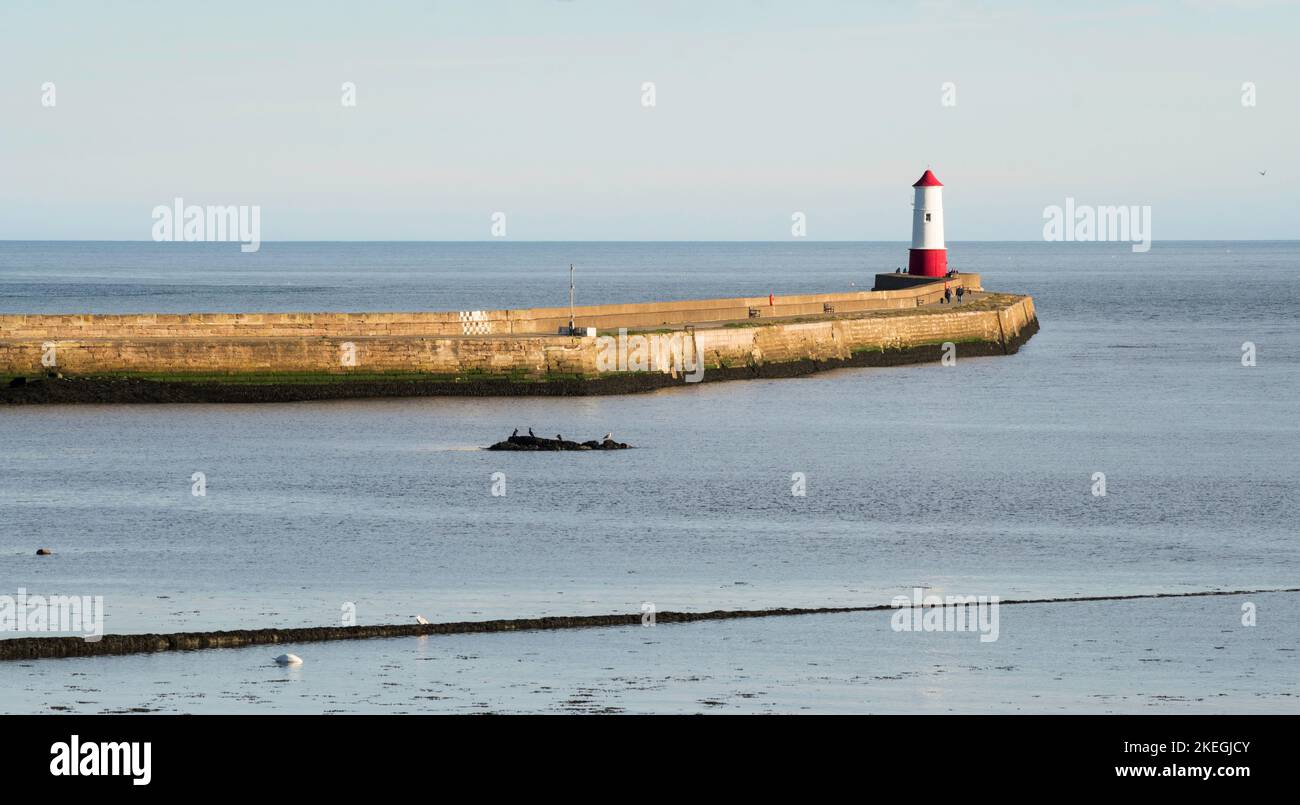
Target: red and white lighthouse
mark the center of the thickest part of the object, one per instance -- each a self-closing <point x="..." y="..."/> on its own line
<point x="927" y="257"/>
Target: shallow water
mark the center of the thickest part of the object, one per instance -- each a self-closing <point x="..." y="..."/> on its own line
<point x="973" y="479"/>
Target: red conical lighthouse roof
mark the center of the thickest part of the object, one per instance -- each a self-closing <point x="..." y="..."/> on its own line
<point x="928" y="179"/>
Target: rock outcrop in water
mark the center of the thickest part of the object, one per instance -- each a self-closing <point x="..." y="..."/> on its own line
<point x="538" y="443"/>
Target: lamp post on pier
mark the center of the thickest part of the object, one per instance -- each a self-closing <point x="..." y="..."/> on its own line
<point x="570" y="298"/>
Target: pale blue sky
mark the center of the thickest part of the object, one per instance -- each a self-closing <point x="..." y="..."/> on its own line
<point x="533" y="108"/>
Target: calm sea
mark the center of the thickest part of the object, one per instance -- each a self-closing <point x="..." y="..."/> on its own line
<point x="972" y="479"/>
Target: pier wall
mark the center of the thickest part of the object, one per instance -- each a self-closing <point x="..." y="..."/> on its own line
<point x="530" y="321"/>
<point x="997" y="320"/>
<point x="328" y="355"/>
<point x="994" y="319"/>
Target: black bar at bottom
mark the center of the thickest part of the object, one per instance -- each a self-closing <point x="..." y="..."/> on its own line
<point x="313" y="754"/>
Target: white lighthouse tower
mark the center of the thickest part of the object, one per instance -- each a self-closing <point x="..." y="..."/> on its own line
<point x="928" y="257"/>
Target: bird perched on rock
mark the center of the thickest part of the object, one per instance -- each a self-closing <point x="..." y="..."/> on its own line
<point x="609" y="436"/>
<point x="516" y="433"/>
<point x="530" y="432"/>
<point x="420" y="619"/>
<point x="559" y="438"/>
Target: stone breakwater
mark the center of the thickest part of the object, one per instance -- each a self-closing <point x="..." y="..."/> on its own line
<point x="34" y="648"/>
<point x="272" y="357"/>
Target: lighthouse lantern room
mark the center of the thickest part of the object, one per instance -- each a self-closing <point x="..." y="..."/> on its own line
<point x="927" y="257"/>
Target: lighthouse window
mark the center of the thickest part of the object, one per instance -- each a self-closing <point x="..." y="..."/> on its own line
<point x="927" y="216"/>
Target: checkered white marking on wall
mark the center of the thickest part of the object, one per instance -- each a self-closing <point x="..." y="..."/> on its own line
<point x="475" y="322"/>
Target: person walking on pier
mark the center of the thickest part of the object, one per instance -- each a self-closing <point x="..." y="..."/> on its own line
<point x="961" y="289"/>
<point x="947" y="295"/>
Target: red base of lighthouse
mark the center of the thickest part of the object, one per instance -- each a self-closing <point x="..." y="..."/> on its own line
<point x="927" y="262"/>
